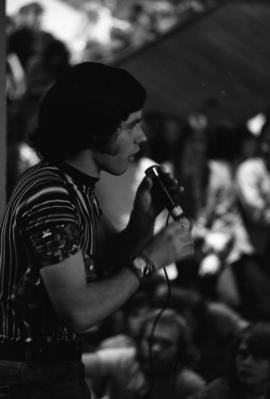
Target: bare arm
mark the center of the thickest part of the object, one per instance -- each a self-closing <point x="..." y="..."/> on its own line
<point x="81" y="305"/>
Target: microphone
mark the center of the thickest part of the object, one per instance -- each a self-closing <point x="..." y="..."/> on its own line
<point x="155" y="173"/>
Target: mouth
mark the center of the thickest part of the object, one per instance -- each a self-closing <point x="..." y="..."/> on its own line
<point x="133" y="155"/>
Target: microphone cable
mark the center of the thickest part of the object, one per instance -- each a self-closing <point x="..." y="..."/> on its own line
<point x="164" y="306"/>
<point x="187" y="226"/>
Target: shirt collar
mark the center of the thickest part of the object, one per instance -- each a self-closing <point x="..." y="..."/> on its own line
<point x="77" y="176"/>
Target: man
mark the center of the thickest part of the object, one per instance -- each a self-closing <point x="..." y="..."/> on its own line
<point x="59" y="274"/>
<point x="158" y="367"/>
<point x="253" y="188"/>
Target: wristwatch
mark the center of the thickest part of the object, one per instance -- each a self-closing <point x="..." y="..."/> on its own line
<point x="142" y="267"/>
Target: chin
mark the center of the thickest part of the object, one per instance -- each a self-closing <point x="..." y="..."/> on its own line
<point x="117" y="171"/>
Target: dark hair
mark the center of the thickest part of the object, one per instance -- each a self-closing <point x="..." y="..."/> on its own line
<point x="257" y="338"/>
<point x="35" y="7"/>
<point x="84" y="108"/>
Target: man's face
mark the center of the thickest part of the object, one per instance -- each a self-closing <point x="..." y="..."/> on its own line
<point x="125" y="145"/>
<point x="164" y="348"/>
<point x="251" y="370"/>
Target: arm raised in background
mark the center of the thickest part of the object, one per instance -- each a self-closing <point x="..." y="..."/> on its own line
<point x="253" y="189"/>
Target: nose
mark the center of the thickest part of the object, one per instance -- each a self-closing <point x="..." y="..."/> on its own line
<point x="140" y="134"/>
<point x="248" y="359"/>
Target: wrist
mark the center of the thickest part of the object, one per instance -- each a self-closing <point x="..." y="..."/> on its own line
<point x="142" y="267"/>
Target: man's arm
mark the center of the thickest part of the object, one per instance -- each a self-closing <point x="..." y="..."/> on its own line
<point x="141" y="224"/>
<point x="80" y="304"/>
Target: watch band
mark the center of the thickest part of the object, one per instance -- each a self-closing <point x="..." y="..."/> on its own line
<point x="142" y="267"/>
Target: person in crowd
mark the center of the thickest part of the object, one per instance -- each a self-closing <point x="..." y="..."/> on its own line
<point x="213" y="326"/>
<point x="27" y="35"/>
<point x="160" y="365"/>
<point x="253" y="188"/>
<point x="204" y="164"/>
<point x="62" y="269"/>
<point x="35" y="59"/>
<point x="248" y="367"/>
<point x="252" y="181"/>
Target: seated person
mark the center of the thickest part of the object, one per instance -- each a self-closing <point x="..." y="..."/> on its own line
<point x="248" y="367"/>
<point x="160" y="365"/>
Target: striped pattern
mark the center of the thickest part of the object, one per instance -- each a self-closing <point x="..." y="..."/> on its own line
<point x="44" y="197"/>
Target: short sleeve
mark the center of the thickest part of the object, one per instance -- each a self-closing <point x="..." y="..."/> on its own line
<point x="50" y="224"/>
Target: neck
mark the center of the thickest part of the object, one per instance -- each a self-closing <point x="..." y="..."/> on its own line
<point x="84" y="161"/>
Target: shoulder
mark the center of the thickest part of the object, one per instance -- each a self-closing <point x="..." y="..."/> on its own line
<point x="252" y="165"/>
<point x="226" y="320"/>
<point x="189" y="381"/>
<point x="220" y="171"/>
<point x="40" y="180"/>
<point x="217" y="389"/>
<point x="42" y="191"/>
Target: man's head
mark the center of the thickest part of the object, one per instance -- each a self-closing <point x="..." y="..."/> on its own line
<point x="87" y="108"/>
<point x="169" y="347"/>
<point x="30" y="15"/>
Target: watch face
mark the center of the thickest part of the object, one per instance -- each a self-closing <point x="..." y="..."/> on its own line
<point x="139" y="262"/>
<point x="144" y="268"/>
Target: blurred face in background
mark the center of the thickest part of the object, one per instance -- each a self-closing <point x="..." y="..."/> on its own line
<point x="164" y="348"/>
<point x="252" y="370"/>
<point x="135" y="319"/>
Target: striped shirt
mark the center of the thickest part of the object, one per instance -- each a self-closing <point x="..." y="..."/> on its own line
<point x="52" y="214"/>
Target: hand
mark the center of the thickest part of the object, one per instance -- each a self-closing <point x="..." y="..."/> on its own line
<point x="147" y="201"/>
<point x="172" y="244"/>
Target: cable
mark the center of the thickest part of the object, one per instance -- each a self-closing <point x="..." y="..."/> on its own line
<point x="187" y="226"/>
<point x="162" y="309"/>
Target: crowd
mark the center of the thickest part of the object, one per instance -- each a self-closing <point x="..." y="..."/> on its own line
<point x="116" y="27"/>
<point x="203" y="330"/>
<point x="111" y="28"/>
<point x="223" y="293"/>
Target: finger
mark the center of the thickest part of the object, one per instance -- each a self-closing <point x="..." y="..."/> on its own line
<point x="146" y="184"/>
<point x="185" y="223"/>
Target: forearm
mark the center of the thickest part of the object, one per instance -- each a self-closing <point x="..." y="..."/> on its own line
<point x="80" y="305"/>
<point x="98" y="300"/>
